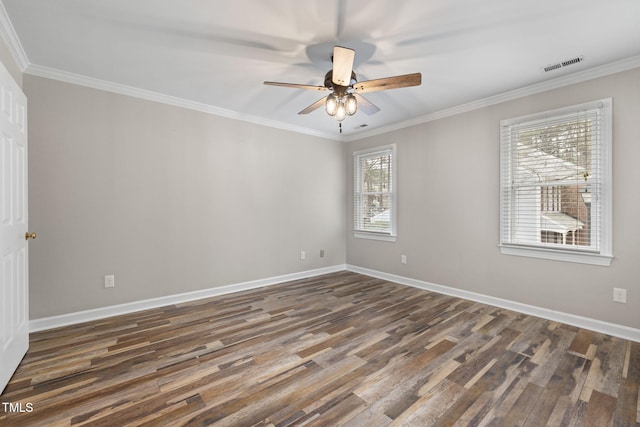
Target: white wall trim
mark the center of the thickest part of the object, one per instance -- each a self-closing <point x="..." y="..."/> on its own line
<point x="557" y="316"/>
<point x="121" y="89"/>
<point x="613" y="329"/>
<point x="557" y="255"/>
<point x="44" y="323"/>
<point x="578" y="77"/>
<point x="8" y="34"/>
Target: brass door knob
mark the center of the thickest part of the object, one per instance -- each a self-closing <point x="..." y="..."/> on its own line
<point x="28" y="235"/>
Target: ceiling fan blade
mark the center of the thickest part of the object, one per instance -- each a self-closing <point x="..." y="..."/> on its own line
<point x="319" y="103"/>
<point x="342" y="65"/>
<point x="296" y="86"/>
<point x="365" y="105"/>
<point x="386" y="83"/>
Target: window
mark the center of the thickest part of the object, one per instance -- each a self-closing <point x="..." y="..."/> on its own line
<point x="556" y="184"/>
<point x="374" y="196"/>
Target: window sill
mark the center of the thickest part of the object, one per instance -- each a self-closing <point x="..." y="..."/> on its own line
<point x="557" y="255"/>
<point x="374" y="236"/>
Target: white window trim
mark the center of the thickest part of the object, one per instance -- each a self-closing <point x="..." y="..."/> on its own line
<point x="371" y="235"/>
<point x="605" y="254"/>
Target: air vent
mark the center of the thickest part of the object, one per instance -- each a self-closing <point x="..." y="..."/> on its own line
<point x="552" y="67"/>
<point x="573" y="61"/>
<point x="563" y="64"/>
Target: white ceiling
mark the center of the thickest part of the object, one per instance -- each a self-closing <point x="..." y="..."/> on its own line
<point x="214" y="55"/>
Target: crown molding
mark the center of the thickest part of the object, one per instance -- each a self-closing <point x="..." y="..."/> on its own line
<point x="578" y="77"/>
<point x="107" y="86"/>
<point x="9" y="36"/>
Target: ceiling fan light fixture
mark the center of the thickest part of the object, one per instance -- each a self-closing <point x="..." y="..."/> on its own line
<point x="345" y="92"/>
<point x="331" y="105"/>
<point x="351" y="104"/>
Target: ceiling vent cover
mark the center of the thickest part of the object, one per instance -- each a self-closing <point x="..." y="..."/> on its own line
<point x="563" y="64"/>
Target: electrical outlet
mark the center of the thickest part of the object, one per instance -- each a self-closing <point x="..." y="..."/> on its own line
<point x="620" y="295"/>
<point x="303" y="255"/>
<point x="109" y="281"/>
<point x="321" y="253"/>
<point x="403" y="259"/>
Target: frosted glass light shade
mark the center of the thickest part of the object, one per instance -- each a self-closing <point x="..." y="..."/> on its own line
<point x="351" y="103"/>
<point x="341" y="112"/>
<point x="331" y="105"/>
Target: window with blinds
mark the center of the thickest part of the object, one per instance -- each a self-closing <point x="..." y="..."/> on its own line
<point x="556" y="184"/>
<point x="374" y="194"/>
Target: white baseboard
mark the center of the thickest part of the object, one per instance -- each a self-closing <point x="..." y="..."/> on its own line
<point x="557" y="316"/>
<point x="114" y="310"/>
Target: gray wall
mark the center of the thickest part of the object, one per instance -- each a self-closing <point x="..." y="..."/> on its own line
<point x="448" y="212"/>
<point x="169" y="200"/>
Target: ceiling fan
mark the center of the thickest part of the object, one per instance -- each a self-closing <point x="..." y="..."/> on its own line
<point x="345" y="99"/>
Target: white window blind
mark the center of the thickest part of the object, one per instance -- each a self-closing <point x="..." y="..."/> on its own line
<point x="556" y="184"/>
<point x="374" y="193"/>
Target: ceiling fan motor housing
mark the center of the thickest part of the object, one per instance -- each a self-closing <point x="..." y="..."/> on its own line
<point x="339" y="90"/>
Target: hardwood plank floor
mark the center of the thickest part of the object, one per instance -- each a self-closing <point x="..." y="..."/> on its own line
<point x="340" y="349"/>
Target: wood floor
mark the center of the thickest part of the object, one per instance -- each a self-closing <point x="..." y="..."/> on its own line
<point x="340" y="349"/>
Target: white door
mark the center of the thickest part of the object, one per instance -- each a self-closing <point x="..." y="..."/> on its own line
<point x="14" y="259"/>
